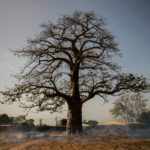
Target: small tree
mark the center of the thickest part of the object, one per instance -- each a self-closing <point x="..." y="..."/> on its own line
<point x="63" y="122"/>
<point x="20" y="119"/>
<point x="71" y="62"/>
<point x="29" y="122"/>
<point x="4" y="119"/>
<point x="91" y="122"/>
<point x="129" y="107"/>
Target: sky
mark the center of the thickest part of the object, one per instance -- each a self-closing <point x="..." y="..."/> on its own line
<point x="128" y="20"/>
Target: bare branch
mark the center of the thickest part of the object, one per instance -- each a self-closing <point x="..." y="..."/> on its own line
<point x="71" y="61"/>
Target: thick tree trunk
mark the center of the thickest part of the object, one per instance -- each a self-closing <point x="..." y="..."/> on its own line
<point x="74" y="118"/>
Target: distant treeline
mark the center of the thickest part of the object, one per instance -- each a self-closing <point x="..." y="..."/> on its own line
<point x="19" y="120"/>
<point x="20" y="123"/>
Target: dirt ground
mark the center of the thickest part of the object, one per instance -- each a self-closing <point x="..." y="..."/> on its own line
<point x="77" y="143"/>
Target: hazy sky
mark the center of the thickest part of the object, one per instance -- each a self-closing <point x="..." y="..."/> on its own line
<point x="128" y="20"/>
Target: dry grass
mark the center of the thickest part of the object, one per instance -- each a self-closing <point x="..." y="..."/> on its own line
<point x="79" y="143"/>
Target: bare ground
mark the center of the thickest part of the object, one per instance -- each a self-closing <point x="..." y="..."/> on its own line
<point x="77" y="143"/>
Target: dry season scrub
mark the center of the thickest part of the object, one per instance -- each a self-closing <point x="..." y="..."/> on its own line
<point x="78" y="143"/>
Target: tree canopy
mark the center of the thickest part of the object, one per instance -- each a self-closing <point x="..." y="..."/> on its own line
<point x="5" y="119"/>
<point x="70" y="61"/>
<point x="130" y="107"/>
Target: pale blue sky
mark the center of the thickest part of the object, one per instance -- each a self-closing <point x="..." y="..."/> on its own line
<point x="128" y="20"/>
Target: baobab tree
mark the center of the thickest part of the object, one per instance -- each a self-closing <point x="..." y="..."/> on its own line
<point x="70" y="62"/>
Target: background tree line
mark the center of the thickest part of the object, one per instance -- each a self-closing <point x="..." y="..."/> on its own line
<point x="19" y="120"/>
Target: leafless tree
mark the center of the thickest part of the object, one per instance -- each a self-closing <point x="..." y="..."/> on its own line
<point x="71" y="62"/>
<point x="129" y="107"/>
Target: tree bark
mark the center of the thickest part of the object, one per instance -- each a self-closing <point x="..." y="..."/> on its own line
<point x="74" y="118"/>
